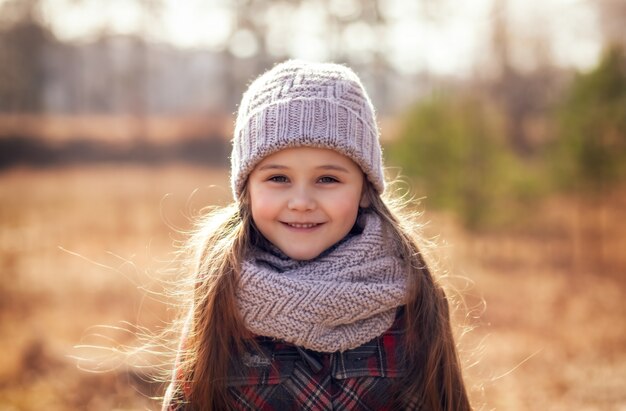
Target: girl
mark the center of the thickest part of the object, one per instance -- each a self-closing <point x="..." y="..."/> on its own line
<point x="309" y="292"/>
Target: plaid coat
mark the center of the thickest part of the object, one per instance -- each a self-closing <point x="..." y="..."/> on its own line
<point x="281" y="376"/>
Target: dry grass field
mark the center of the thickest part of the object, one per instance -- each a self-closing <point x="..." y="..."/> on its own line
<point x="542" y="312"/>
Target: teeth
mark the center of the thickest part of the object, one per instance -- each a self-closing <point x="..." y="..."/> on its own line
<point x="296" y="225"/>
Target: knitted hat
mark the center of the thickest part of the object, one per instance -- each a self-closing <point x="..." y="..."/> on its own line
<point x="297" y="104"/>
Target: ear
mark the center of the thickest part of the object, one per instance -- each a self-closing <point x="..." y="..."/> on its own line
<point x="365" y="198"/>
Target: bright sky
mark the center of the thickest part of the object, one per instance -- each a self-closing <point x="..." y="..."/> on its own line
<point x="453" y="39"/>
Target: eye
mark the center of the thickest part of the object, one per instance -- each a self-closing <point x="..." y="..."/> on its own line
<point x="278" y="179"/>
<point x="328" y="180"/>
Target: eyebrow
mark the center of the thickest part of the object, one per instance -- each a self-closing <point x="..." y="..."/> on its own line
<point x="272" y="167"/>
<point x="332" y="167"/>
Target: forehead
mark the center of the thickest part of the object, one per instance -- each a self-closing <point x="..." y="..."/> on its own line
<point x="304" y="157"/>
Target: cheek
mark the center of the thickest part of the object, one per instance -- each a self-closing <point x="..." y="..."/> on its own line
<point x="346" y="206"/>
<point x="261" y="203"/>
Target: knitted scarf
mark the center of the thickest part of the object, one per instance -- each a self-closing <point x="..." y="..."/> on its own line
<point x="342" y="299"/>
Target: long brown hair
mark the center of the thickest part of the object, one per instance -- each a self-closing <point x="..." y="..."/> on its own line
<point x="215" y="330"/>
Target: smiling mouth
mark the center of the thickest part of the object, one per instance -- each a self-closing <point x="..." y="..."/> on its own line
<point x="303" y="225"/>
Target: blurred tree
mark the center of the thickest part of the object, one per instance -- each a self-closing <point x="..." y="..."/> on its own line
<point x="522" y="96"/>
<point x="341" y="31"/>
<point x="23" y="40"/>
<point x="591" y="149"/>
<point x="613" y="15"/>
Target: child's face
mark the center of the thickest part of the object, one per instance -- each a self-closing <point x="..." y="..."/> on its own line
<point x="304" y="199"/>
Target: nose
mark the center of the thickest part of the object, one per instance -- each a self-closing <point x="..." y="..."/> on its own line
<point x="301" y="200"/>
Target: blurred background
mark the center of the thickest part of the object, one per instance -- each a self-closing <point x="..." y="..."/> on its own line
<point x="506" y="119"/>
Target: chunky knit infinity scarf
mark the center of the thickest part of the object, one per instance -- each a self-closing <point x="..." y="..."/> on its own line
<point x="335" y="302"/>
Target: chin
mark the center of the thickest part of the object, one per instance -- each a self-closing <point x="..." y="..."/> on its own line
<point x="302" y="256"/>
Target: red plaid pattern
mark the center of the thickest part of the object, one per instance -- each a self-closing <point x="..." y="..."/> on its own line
<point x="284" y="377"/>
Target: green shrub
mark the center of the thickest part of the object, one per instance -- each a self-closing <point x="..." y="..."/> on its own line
<point x="590" y="150"/>
<point x="454" y="151"/>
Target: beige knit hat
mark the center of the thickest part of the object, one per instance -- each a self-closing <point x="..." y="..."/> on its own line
<point x="297" y="104"/>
